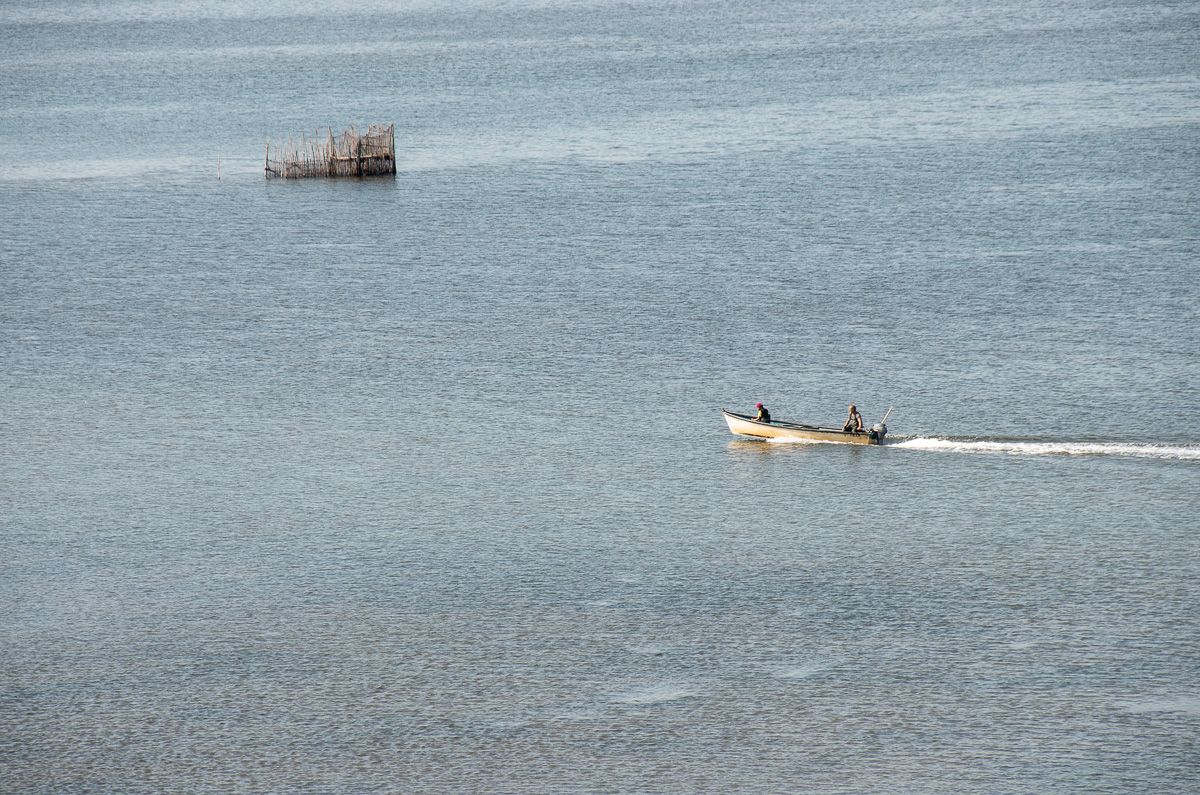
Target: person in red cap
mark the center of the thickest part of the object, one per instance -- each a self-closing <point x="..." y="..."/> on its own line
<point x="763" y="415"/>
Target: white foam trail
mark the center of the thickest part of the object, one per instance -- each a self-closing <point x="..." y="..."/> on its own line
<point x="1179" y="453"/>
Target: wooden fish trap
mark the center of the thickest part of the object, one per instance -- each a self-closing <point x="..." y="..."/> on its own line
<point x="350" y="154"/>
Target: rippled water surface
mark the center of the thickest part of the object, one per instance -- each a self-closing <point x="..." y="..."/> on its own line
<point x="421" y="485"/>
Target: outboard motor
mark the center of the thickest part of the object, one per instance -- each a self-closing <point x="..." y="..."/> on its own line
<point x="879" y="430"/>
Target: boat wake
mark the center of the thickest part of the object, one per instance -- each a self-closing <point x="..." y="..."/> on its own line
<point x="1063" y="448"/>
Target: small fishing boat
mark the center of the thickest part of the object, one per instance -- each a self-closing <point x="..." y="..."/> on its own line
<point x="745" y="425"/>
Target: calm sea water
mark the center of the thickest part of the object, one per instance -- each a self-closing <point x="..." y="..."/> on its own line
<point x="421" y="485"/>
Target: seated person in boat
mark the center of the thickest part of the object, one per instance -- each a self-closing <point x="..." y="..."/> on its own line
<point x="854" y="421"/>
<point x="763" y="415"/>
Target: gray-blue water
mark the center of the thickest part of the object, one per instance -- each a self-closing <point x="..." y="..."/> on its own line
<point x="421" y="485"/>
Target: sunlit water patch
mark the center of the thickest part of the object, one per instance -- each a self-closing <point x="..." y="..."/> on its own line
<point x="655" y="694"/>
<point x="1181" y="704"/>
<point x="802" y="670"/>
